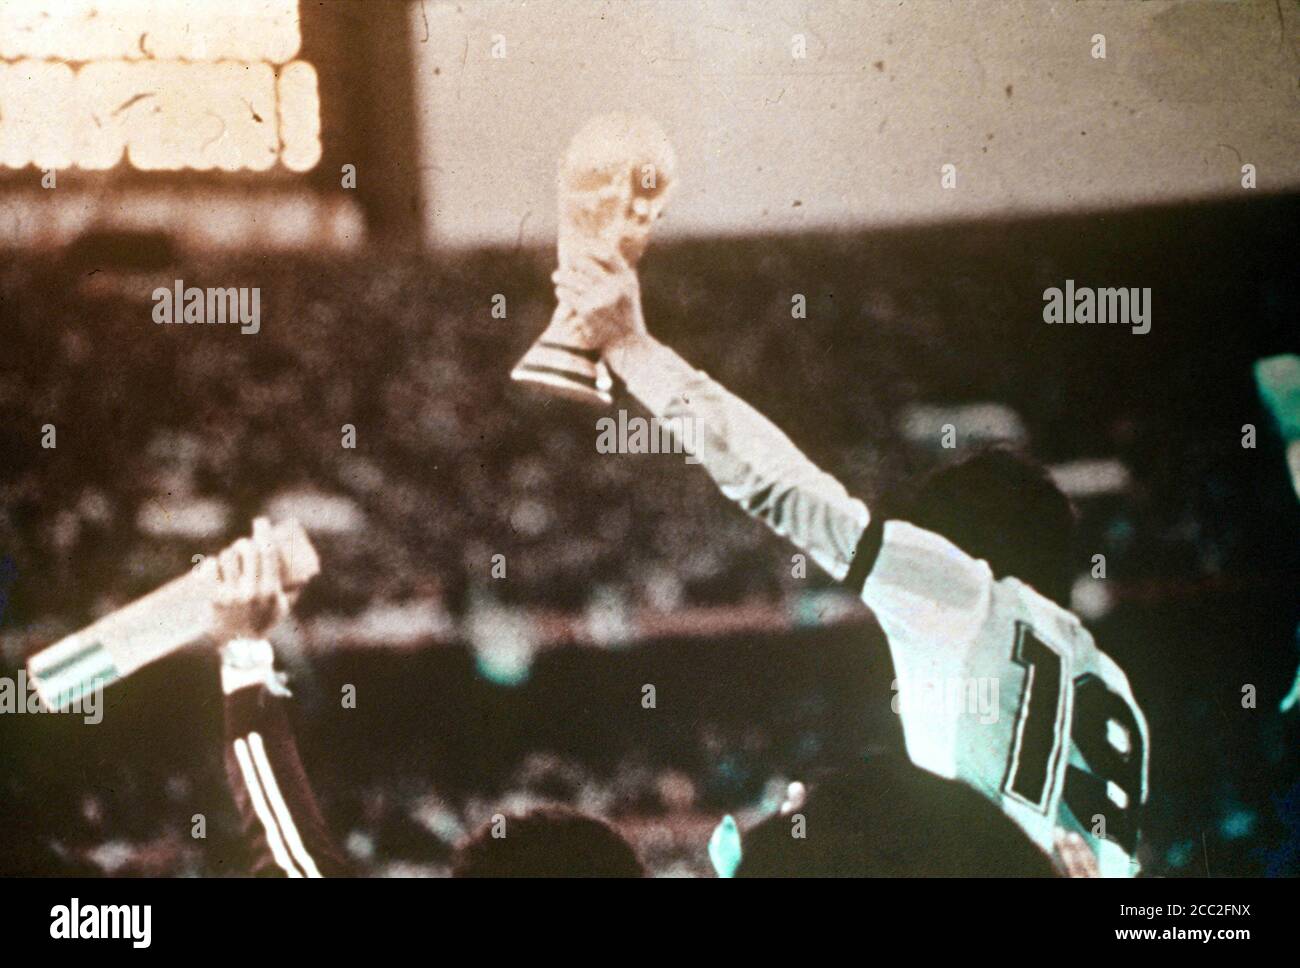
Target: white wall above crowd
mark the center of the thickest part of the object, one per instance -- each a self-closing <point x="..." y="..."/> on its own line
<point x="856" y="132"/>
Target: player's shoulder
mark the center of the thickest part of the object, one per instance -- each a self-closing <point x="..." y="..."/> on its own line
<point x="927" y="552"/>
<point x="924" y="589"/>
<point x="929" y="566"/>
<point x="1061" y="630"/>
<point x="1050" y="620"/>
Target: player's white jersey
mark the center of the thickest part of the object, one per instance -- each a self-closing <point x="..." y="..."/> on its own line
<point x="1063" y="744"/>
<point x="999" y="687"/>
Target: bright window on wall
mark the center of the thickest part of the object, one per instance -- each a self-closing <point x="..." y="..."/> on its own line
<point x="164" y="85"/>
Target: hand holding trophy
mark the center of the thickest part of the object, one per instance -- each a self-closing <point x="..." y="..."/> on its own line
<point x="612" y="185"/>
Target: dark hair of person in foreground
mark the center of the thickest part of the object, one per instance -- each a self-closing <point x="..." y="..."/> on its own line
<point x="551" y="841"/>
<point x="1005" y="508"/>
<point x="888" y="818"/>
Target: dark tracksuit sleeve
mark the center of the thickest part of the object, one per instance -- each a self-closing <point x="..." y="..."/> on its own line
<point x="280" y="822"/>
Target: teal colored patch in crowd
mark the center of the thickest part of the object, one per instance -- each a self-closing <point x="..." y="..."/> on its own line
<point x="724" y="847"/>
<point x="1278" y="379"/>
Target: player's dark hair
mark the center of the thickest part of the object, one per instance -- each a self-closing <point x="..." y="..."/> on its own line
<point x="889" y="818"/>
<point x="552" y="841"/>
<point x="1004" y="508"/>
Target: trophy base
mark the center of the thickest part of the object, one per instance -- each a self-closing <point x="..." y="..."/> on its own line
<point x="570" y="372"/>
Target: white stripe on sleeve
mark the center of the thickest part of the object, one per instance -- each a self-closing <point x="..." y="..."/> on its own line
<point x="262" y="809"/>
<point x="280" y="808"/>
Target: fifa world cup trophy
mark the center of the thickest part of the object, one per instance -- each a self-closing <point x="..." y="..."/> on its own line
<point x="612" y="185"/>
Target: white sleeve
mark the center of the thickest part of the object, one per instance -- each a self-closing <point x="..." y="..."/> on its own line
<point x="922" y="587"/>
<point x="931" y="599"/>
<point x="752" y="462"/>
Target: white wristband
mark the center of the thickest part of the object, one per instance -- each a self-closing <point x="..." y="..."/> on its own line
<point x="248" y="662"/>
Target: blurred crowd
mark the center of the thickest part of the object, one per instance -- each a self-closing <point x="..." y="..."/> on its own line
<point x="169" y="439"/>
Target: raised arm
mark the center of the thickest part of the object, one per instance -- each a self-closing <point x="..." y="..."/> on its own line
<point x="751" y="460"/>
<point x="281" y="825"/>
